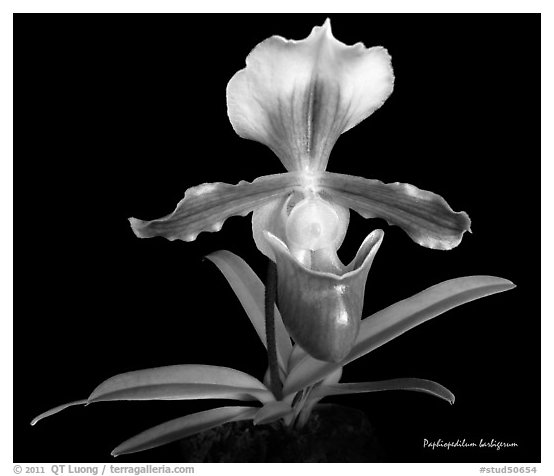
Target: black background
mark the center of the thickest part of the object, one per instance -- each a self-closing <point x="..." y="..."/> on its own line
<point x="116" y="116"/>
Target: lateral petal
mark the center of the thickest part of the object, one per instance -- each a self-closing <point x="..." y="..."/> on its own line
<point x="207" y="206"/>
<point x="425" y="216"/>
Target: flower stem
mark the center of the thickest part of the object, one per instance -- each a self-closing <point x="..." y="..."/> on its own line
<point x="270" y="294"/>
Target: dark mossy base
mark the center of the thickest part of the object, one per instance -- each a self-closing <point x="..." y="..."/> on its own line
<point x="334" y="434"/>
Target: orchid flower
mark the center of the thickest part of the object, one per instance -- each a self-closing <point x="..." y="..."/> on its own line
<point x="298" y="97"/>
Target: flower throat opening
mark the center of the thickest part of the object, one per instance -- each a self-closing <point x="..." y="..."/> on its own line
<point x="312" y="224"/>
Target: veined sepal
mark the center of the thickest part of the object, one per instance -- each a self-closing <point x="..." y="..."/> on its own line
<point x="297" y="97"/>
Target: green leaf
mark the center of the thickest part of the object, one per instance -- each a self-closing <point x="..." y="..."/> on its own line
<point x="266" y="379"/>
<point x="313" y="399"/>
<point x="182" y="427"/>
<point x="250" y="291"/>
<point x="297" y="354"/>
<point x="414" y="384"/>
<point x="272" y="411"/>
<point x="57" y="409"/>
<point x="182" y="382"/>
<point x="393" y="321"/>
<point x="175" y="382"/>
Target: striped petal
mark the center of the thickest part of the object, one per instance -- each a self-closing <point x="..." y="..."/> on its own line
<point x="207" y="206"/>
<point x="297" y="97"/>
<point x="425" y="216"/>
